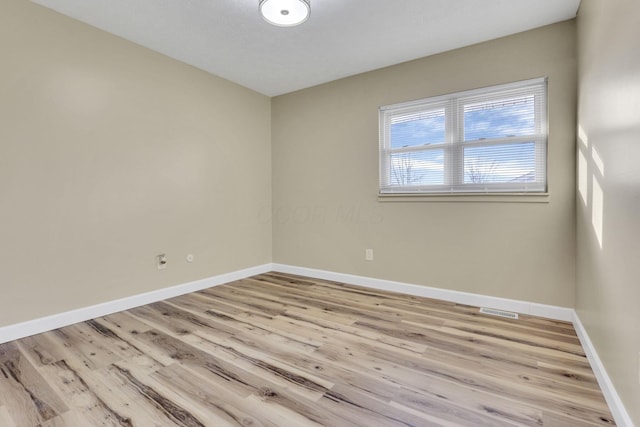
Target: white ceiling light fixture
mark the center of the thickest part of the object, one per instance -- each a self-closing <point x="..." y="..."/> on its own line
<point x="285" y="13"/>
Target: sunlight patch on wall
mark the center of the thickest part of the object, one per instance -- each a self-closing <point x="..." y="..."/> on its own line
<point x="582" y="137"/>
<point x="583" y="179"/>
<point x="597" y="210"/>
<point x="597" y="160"/>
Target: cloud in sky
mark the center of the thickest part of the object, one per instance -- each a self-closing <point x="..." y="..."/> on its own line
<point x="499" y="119"/>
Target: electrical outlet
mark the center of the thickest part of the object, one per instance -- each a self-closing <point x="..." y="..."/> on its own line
<point x="161" y="261"/>
<point x="368" y="254"/>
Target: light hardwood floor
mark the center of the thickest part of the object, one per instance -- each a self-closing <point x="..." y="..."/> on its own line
<point x="282" y="350"/>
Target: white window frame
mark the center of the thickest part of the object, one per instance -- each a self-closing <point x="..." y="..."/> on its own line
<point x="454" y="144"/>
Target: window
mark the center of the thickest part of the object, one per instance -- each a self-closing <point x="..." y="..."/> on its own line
<point x="490" y="140"/>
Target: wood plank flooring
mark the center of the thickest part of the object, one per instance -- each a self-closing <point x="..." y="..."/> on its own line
<point x="283" y="350"/>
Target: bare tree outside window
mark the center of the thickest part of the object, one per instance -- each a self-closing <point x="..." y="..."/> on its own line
<point x="403" y="170"/>
<point x="479" y="172"/>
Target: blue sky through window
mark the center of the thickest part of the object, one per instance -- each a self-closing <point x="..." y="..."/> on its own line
<point x="418" y="129"/>
<point x="490" y="163"/>
<point x="418" y="168"/>
<point x="500" y="163"/>
<point x="499" y="119"/>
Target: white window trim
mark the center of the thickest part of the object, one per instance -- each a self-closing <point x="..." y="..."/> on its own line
<point x="453" y="106"/>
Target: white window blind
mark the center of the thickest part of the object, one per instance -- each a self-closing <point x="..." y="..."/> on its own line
<point x="490" y="140"/>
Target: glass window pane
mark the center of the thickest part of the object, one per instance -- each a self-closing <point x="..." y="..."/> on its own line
<point x="423" y="128"/>
<point x="500" y="163"/>
<point x="499" y="118"/>
<point x="418" y="168"/>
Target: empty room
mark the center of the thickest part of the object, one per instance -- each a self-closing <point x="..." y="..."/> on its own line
<point x="319" y="213"/>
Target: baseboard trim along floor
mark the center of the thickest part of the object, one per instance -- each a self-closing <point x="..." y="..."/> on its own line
<point x="32" y="327"/>
<point x="55" y="321"/>
<point x="476" y="300"/>
<point x="618" y="410"/>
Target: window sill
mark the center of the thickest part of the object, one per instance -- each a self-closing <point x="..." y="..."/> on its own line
<point x="466" y="197"/>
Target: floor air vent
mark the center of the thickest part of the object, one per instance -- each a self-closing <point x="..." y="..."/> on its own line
<point x="501" y="313"/>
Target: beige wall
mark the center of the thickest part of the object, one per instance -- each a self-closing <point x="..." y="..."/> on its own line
<point x="608" y="279"/>
<point x="325" y="175"/>
<point x="111" y="154"/>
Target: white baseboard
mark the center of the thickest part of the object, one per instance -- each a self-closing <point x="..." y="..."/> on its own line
<point x="476" y="300"/>
<point x="44" y="324"/>
<point x="620" y="414"/>
<point x="618" y="410"/>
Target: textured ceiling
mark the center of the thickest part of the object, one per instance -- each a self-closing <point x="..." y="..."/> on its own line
<point x="341" y="38"/>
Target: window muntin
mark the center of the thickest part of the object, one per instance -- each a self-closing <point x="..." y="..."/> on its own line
<point x="491" y="140"/>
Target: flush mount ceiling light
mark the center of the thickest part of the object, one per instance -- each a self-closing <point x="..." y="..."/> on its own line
<point x="285" y="13"/>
